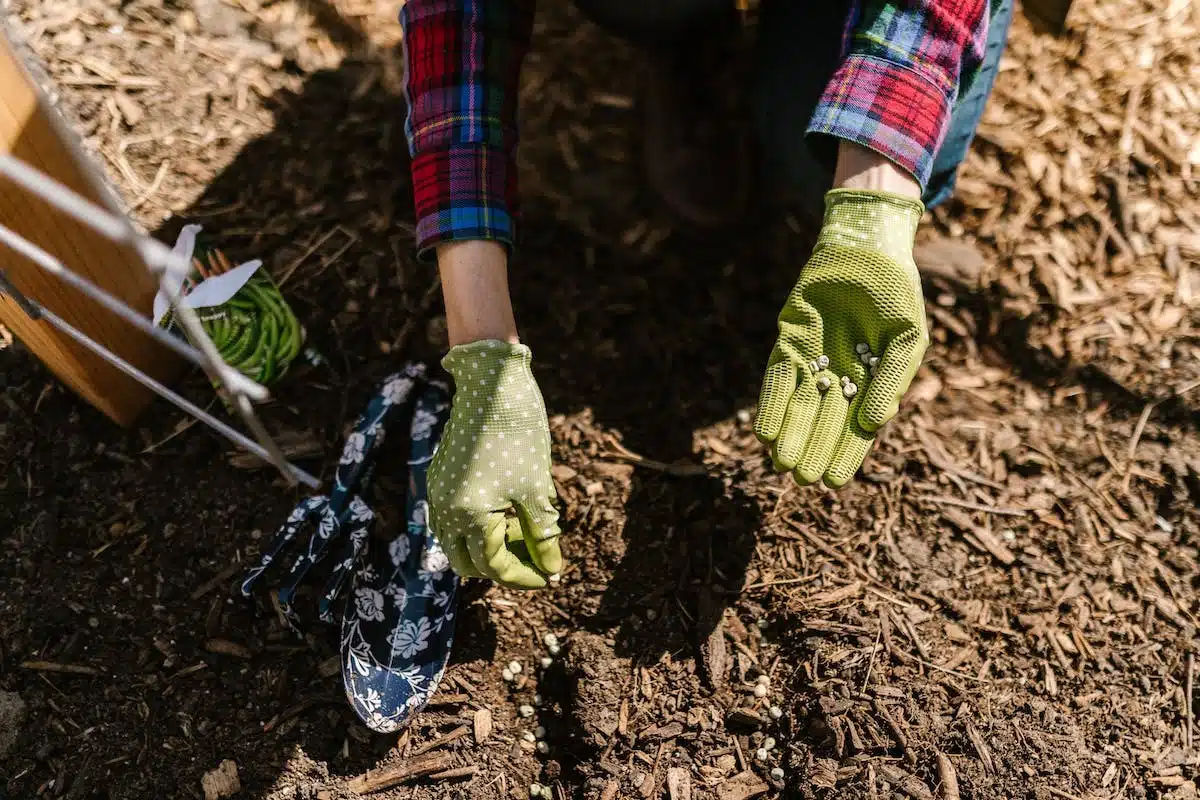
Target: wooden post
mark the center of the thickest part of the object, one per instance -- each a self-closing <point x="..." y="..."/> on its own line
<point x="31" y="130"/>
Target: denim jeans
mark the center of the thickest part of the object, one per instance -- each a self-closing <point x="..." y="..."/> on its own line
<point x="797" y="52"/>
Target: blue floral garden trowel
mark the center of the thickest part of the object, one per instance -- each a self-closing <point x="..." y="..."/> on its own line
<point x="398" y="617"/>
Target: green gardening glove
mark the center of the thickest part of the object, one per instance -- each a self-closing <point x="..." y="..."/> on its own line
<point x="490" y="476"/>
<point x="851" y="337"/>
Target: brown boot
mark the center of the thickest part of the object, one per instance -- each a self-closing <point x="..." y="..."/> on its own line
<point x="696" y="142"/>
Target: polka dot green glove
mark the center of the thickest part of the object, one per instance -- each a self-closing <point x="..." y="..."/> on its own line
<point x="491" y="500"/>
<point x="851" y="337"/>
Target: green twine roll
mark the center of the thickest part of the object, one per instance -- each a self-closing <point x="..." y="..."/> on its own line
<point x="256" y="332"/>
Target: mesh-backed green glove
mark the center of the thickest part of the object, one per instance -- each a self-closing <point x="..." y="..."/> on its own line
<point x="851" y="337"/>
<point x="494" y="457"/>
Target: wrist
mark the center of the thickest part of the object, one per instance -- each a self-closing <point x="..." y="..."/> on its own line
<point x="861" y="168"/>
<point x="474" y="278"/>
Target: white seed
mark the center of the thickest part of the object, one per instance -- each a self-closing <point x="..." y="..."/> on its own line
<point x="769" y="743"/>
<point x="849" y="390"/>
<point x="539" y="732"/>
<point x="813" y="367"/>
<point x="823" y="383"/>
<point x="862" y="347"/>
<point x="762" y="624"/>
<point x="554" y="649"/>
<point x="865" y="358"/>
<point x="556" y="578"/>
<point x="764" y="678"/>
<point x="543" y="748"/>
<point x="761" y="754"/>
<point x="535" y="790"/>
<point x="777" y="773"/>
<point x="760" y="690"/>
<point x="822" y="361"/>
<point x="514" y="667"/>
<point x="506" y="673"/>
<point x="525" y="711"/>
<point x="537" y="699"/>
<point x="550" y="639"/>
<point x="845" y="380"/>
<point x="776" y="712"/>
<point x="743" y="416"/>
<point x="547" y="661"/>
<point x="874" y="362"/>
<point x="529" y="737"/>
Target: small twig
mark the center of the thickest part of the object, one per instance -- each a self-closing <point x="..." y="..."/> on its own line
<point x="387" y="777"/>
<point x="69" y="669"/>
<point x="215" y="581"/>
<point x="1191" y="665"/>
<point x="871" y="662"/>
<point x="181" y="428"/>
<point x="1138" y="430"/>
<point x="896" y="731"/>
<point x="1062" y="794"/>
<point x="930" y="665"/>
<point x="783" y="582"/>
<point x="400" y="342"/>
<point x="741" y="757"/>
<point x="621" y="453"/>
<point x="153" y="188"/>
<point x="455" y="774"/>
<point x="967" y="504"/>
<point x="457" y="733"/>
<point x="290" y="268"/>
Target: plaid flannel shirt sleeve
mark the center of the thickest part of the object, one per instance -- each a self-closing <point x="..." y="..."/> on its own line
<point x="904" y="62"/>
<point x="462" y="63"/>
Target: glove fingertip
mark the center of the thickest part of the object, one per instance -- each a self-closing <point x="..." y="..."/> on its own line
<point x="805" y="477"/>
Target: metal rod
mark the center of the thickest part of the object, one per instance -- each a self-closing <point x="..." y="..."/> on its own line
<point x="160" y="259"/>
<point x="163" y="262"/>
<point x="96" y="218"/>
<point x="46" y="261"/>
<point x="225" y="430"/>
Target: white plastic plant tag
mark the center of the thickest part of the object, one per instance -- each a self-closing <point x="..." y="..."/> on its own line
<point x="209" y="292"/>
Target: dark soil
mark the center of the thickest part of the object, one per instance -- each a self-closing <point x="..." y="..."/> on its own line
<point x="1010" y="589"/>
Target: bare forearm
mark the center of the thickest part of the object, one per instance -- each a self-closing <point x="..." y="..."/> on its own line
<point x="861" y="168"/>
<point x="475" y="288"/>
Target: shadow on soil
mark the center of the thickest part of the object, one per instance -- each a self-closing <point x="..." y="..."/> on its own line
<point x="656" y="346"/>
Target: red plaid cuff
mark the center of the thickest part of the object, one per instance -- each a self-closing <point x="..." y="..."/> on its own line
<point x="463" y="192"/>
<point x="887" y="107"/>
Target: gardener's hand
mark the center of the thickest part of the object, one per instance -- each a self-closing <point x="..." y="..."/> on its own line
<point x="494" y="457"/>
<point x="851" y="337"/>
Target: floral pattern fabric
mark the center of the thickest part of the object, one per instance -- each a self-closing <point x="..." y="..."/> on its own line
<point x="397" y="625"/>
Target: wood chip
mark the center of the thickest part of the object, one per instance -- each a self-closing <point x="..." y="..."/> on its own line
<point x="221" y="782"/>
<point x="68" y="669"/>
<point x="980" y="537"/>
<point x="224" y="647"/>
<point x="906" y="782"/>
<point x="679" y="784"/>
<point x="948" y="777"/>
<point x="483" y="725"/>
<point x="742" y="786"/>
